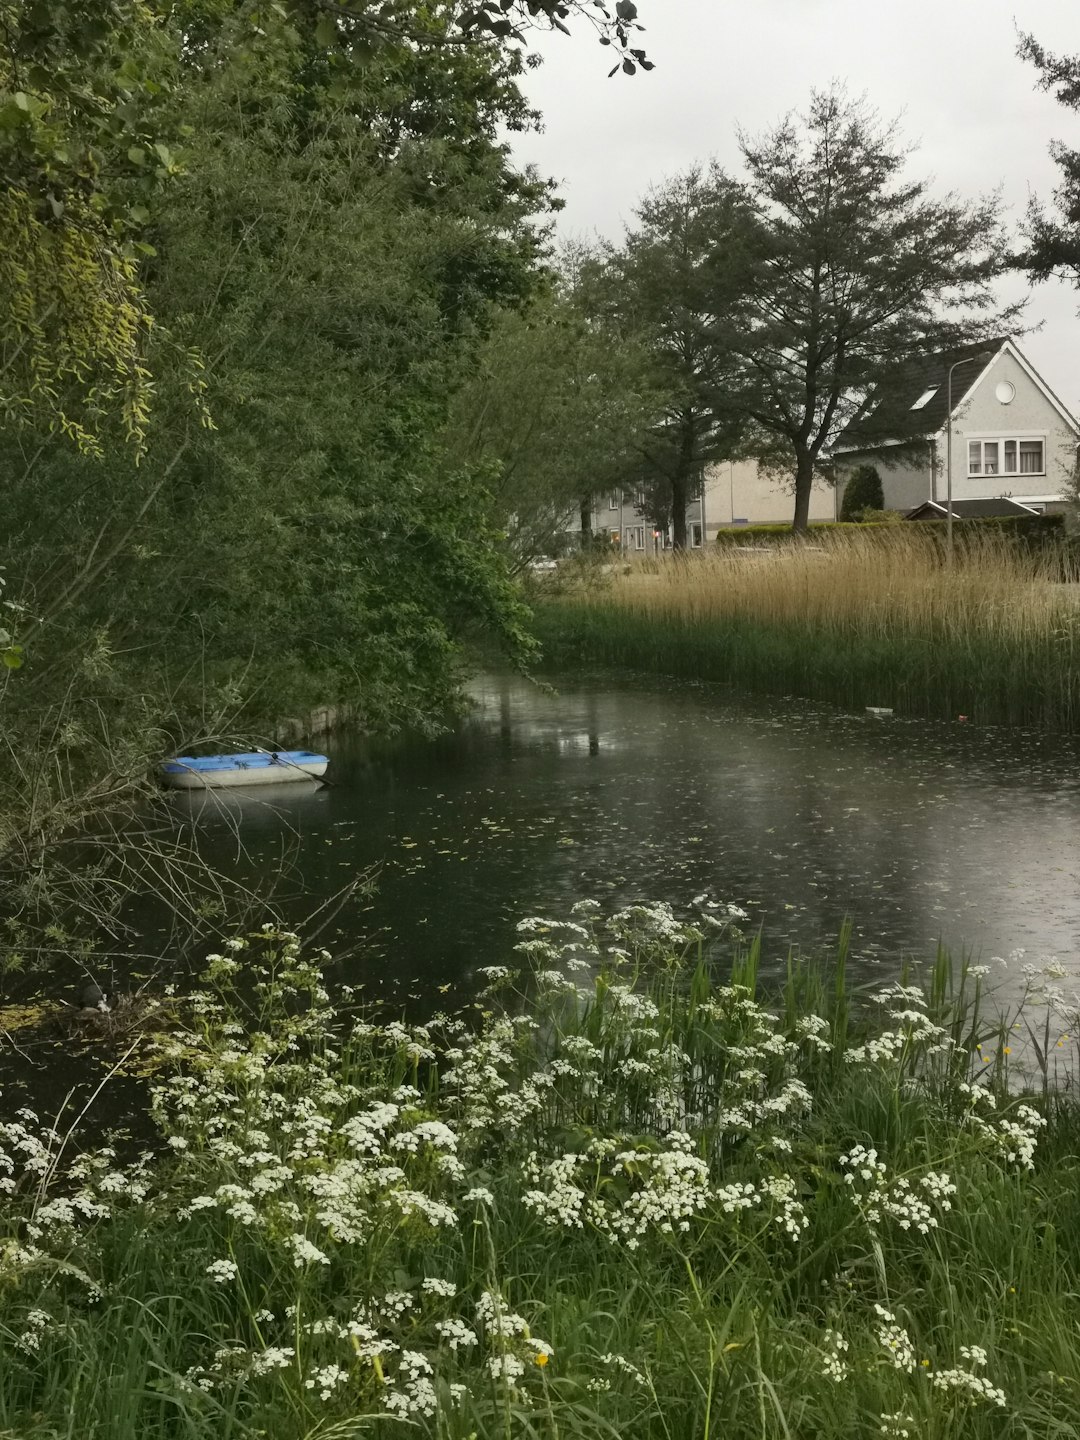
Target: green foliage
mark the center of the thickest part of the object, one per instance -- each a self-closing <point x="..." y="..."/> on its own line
<point x="862" y="491"/>
<point x="1054" y="239"/>
<point x="82" y="159"/>
<point x="91" y="117"/>
<point x="335" y="264"/>
<point x="554" y="408"/>
<point x="851" y="268"/>
<point x="776" y="534"/>
<point x="653" y="1200"/>
<point x="672" y="289"/>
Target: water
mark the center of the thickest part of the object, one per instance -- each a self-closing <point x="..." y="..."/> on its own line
<point x="630" y="788"/>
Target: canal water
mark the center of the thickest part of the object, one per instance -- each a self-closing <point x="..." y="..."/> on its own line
<point x="630" y="788"/>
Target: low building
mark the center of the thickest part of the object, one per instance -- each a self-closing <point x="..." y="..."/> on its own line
<point x="1011" y="435"/>
<point x="1001" y="509"/>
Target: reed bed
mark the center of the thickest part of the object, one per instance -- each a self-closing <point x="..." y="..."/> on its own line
<point x="629" y="1195"/>
<point x="870" y="619"/>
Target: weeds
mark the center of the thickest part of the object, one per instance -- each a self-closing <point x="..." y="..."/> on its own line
<point x="625" y="1195"/>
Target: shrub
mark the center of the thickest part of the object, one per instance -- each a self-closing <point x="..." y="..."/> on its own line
<point x="862" y="492"/>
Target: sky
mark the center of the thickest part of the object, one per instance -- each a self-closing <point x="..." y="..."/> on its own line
<point x="946" y="69"/>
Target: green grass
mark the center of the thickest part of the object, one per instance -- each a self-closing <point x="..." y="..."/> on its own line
<point x="629" y="1150"/>
<point x="1035" y="684"/>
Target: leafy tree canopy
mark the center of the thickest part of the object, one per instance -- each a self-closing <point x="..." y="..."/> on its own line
<point x="851" y="268"/>
<point x="89" y="134"/>
<point x="670" y="288"/>
<point x="1054" y="238"/>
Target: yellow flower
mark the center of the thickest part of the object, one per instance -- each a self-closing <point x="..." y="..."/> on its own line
<point x="986" y="1059"/>
<point x="1007" y="1050"/>
<point x="925" y="1364"/>
<point x="541" y="1359"/>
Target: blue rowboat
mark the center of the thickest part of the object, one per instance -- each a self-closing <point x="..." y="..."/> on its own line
<point x="257" y="767"/>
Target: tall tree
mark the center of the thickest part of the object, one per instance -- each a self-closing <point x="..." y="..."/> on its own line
<point x="674" y="285"/>
<point x="84" y="150"/>
<point x="1054" y="239"/>
<point x="852" y="267"/>
<point x="555" y="409"/>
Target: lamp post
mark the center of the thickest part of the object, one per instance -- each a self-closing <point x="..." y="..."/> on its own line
<point x="986" y="355"/>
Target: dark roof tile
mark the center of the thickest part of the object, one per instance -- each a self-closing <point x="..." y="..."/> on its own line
<point x="887" y="412"/>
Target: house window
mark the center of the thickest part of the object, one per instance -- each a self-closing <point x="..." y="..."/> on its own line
<point x="695" y="535"/>
<point x="925" y="397"/>
<point x="613" y="501"/>
<point x="639" y="498"/>
<point x="1006" y="457"/>
<point x="635" y="537"/>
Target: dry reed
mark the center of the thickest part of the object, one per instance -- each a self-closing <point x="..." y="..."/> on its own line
<point x="874" y="618"/>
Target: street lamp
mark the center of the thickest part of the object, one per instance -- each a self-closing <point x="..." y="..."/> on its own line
<point x="967" y="360"/>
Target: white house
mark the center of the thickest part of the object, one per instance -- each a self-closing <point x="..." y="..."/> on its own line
<point x="736" y="492"/>
<point x="1011" y="435"/>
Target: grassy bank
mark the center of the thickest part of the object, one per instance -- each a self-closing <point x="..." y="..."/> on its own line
<point x="863" y="619"/>
<point x="627" y="1197"/>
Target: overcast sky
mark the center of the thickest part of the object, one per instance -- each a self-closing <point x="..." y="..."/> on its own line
<point x="947" y="68"/>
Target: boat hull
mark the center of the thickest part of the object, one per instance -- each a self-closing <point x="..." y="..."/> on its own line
<point x="224" y="772"/>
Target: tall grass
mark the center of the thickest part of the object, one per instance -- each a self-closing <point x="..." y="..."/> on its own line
<point x="631" y="1197"/>
<point x="863" y="619"/>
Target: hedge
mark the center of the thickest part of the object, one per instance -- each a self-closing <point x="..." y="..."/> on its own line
<point x="1034" y="530"/>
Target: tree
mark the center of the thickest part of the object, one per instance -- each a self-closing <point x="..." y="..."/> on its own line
<point x="862" y="492"/>
<point x="1054" y="241"/>
<point x="674" y="285"/>
<point x="84" y="152"/>
<point x="555" y="408"/>
<point x="852" y="268"/>
<point x="337" y="263"/>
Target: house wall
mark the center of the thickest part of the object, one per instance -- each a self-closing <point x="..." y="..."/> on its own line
<point x="905" y="478"/>
<point x="1030" y="415"/>
<point x="739" y="492"/>
<point x="735" y="492"/>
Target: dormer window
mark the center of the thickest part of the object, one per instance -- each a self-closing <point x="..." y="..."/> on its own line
<point x="925" y="397"/>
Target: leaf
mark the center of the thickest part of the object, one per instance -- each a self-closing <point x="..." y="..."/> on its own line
<point x="22" y="100"/>
<point x="626" y="10"/>
<point x="629" y="68"/>
<point x="326" y="31"/>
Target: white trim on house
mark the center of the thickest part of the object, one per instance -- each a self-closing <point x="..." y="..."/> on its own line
<point x="1018" y="438"/>
<point x="1033" y="375"/>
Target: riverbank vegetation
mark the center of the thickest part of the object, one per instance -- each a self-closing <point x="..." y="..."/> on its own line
<point x="855" y="618"/>
<point x="247" y="501"/>
<point x="633" y="1193"/>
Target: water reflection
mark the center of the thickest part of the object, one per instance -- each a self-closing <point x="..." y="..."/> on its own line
<point x="629" y="789"/>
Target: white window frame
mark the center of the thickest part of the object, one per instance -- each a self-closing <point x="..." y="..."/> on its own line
<point x="999" y="442"/>
<point x="925" y="398"/>
<point x="696" y="535"/>
<point x="614" y="501"/>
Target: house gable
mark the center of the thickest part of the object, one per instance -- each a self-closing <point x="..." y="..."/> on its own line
<point x="1011" y="434"/>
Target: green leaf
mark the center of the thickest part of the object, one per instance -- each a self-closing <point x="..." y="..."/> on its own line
<point x="326" y="31"/>
<point x="22" y="100"/>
